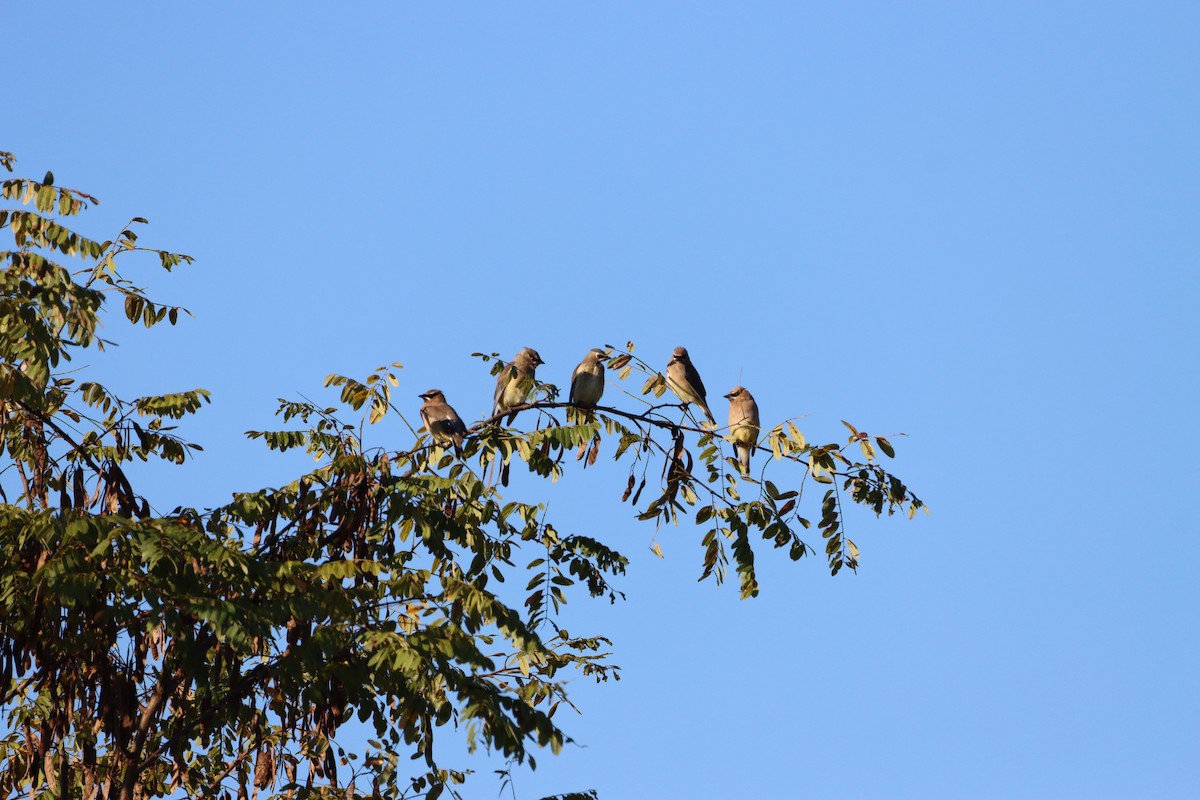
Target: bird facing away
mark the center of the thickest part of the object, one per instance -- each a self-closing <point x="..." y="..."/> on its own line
<point x="743" y="425"/>
<point x="514" y="382"/>
<point x="684" y="381"/>
<point x="442" y="421"/>
<point x="587" y="381"/>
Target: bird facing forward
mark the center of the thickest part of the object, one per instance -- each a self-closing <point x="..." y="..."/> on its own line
<point x="743" y="425"/>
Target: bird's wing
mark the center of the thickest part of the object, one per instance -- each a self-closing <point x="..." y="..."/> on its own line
<point x="574" y="376"/>
<point x="456" y="423"/>
<point x="501" y="382"/>
<point x="693" y="378"/>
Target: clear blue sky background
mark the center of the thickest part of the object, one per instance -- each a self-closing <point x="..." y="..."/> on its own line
<point x="972" y="222"/>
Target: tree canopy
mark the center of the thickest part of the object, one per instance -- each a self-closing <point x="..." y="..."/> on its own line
<point x="220" y="651"/>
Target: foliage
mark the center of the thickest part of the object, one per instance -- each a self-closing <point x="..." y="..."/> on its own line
<point x="222" y="651"/>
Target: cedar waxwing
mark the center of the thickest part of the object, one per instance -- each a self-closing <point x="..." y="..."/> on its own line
<point x="743" y="425"/>
<point x="514" y="382"/>
<point x="684" y="381"/>
<point x="587" y="381"/>
<point x="442" y="421"/>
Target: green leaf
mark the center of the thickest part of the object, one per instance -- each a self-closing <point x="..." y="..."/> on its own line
<point x="366" y="582"/>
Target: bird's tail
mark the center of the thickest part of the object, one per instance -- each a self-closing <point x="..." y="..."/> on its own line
<point x="743" y="454"/>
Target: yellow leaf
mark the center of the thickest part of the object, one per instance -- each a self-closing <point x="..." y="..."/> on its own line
<point x="378" y="409"/>
<point x="654" y="548"/>
<point x="796" y="435"/>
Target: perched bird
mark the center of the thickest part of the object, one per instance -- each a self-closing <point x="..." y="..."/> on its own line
<point x="684" y="381"/>
<point x="442" y="421"/>
<point x="587" y="381"/>
<point x="743" y="425"/>
<point x="514" y="382"/>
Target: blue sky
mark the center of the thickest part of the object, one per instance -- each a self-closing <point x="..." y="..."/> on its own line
<point x="971" y="222"/>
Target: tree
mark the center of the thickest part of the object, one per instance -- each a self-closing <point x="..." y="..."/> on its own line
<point x="221" y="651"/>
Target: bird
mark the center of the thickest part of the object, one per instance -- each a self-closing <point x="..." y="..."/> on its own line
<point x="442" y="421"/>
<point x="684" y="381"/>
<point x="743" y="425"/>
<point x="587" y="381"/>
<point x="515" y="381"/>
